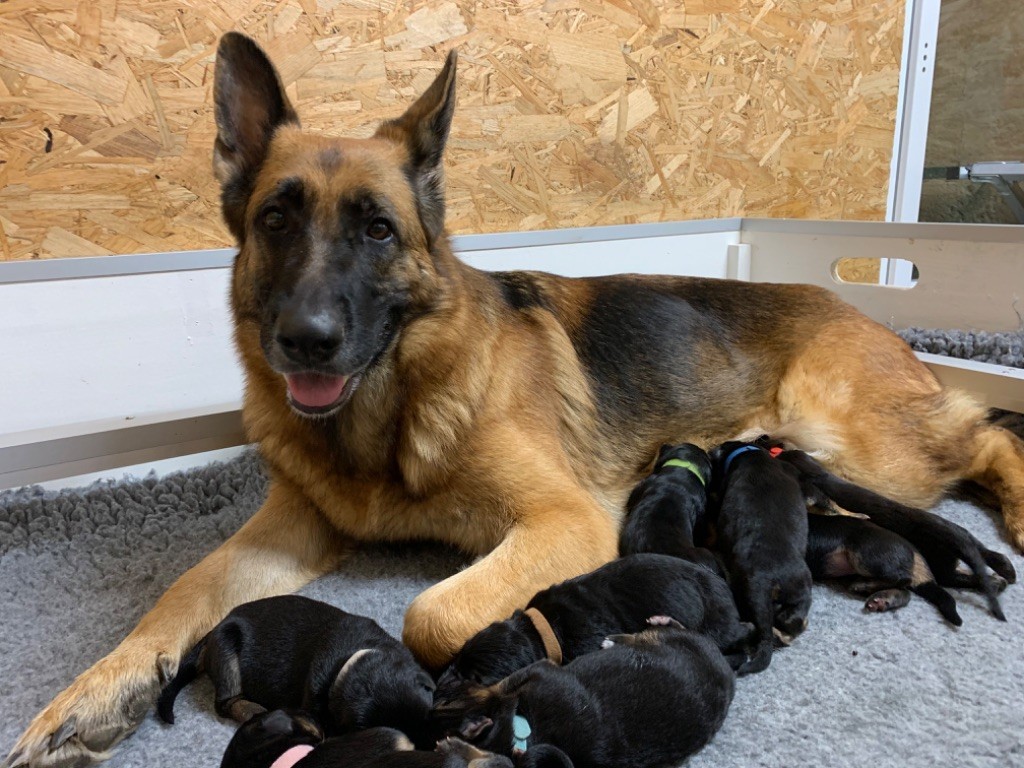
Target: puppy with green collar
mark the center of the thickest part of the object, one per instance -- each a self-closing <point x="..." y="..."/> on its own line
<point x="667" y="511"/>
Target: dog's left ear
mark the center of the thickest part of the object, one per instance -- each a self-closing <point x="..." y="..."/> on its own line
<point x="423" y="129"/>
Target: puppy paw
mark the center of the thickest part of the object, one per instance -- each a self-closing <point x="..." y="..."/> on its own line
<point x="103" y="705"/>
<point x="664" y="621"/>
<point x="887" y="600"/>
<point x="607" y="643"/>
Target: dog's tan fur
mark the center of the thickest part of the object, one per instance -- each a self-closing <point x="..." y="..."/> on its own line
<point x="480" y="427"/>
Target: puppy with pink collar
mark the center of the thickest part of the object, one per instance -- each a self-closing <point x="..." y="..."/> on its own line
<point x="287" y="739"/>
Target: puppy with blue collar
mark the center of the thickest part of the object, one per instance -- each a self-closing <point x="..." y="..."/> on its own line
<point x="647" y="700"/>
<point x="761" y="529"/>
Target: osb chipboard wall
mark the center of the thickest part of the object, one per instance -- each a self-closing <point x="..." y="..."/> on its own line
<point x="571" y="112"/>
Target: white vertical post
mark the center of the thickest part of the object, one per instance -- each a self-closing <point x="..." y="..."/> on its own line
<point x="920" y="32"/>
<point x="737" y="265"/>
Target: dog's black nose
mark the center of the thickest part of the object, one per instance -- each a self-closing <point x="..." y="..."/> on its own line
<point x="308" y="339"/>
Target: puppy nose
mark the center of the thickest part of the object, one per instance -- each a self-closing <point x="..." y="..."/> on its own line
<point x="308" y="339"/>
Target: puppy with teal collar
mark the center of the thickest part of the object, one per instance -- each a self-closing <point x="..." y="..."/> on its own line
<point x="649" y="699"/>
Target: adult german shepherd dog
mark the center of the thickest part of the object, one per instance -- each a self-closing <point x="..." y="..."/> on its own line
<point x="397" y="394"/>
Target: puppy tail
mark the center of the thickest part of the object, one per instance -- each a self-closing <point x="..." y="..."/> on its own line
<point x="941" y="599"/>
<point x="188" y="671"/>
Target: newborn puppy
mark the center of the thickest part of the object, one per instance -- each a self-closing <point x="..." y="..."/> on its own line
<point x="293" y="652"/>
<point x="875" y="562"/>
<point x="943" y="544"/>
<point x="762" y="531"/>
<point x="282" y="739"/>
<point x="651" y="699"/>
<point x="570" y="619"/>
<point x="666" y="512"/>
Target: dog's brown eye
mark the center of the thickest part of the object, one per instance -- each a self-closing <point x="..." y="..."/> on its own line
<point x="274" y="220"/>
<point x="379" y="229"/>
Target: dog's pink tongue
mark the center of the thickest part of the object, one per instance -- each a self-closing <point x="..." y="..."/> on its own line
<point x="292" y="756"/>
<point x="314" y="389"/>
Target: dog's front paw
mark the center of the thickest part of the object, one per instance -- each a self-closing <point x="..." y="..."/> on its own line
<point x="104" y="704"/>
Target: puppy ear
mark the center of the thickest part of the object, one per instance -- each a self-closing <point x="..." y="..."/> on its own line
<point x="249" y="105"/>
<point x="663" y="453"/>
<point x="423" y="129"/>
<point x="473" y="727"/>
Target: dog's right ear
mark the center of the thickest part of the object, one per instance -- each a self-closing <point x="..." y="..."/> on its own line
<point x="249" y="105"/>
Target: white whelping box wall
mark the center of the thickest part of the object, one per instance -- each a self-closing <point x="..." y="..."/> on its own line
<point x="116" y="361"/>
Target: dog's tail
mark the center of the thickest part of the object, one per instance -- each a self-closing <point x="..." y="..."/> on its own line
<point x="188" y="671"/>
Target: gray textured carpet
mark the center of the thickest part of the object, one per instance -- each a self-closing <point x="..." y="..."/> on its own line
<point x="984" y="347"/>
<point x="77" y="569"/>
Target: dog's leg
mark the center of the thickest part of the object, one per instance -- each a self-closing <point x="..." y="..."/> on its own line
<point x="283" y="546"/>
<point x="858" y="399"/>
<point x="557" y="531"/>
<point x="998" y="465"/>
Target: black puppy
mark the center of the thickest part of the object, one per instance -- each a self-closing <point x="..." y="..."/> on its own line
<point x="943" y="544"/>
<point x="650" y="699"/>
<point x="283" y="739"/>
<point x="574" y="617"/>
<point x="874" y="562"/>
<point x="666" y="512"/>
<point x="298" y="653"/>
<point x="761" y="528"/>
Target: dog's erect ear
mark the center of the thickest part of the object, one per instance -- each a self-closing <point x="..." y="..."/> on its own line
<point x="249" y="105"/>
<point x="424" y="129"/>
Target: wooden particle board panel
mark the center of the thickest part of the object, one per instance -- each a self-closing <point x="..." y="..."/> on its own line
<point x="571" y="112"/>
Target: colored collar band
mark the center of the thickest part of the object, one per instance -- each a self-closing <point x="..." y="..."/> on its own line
<point x="734" y="454"/>
<point x="547" y="635"/>
<point x="521" y="731"/>
<point x="292" y="756"/>
<point x="775" y="451"/>
<point x="686" y="465"/>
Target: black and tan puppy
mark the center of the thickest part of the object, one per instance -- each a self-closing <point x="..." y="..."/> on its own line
<point x="283" y="739"/>
<point x="293" y="652"/>
<point x="761" y="527"/>
<point x="650" y="699"/>
<point x="875" y="562"/>
<point x="666" y="512"/>
<point x="580" y="613"/>
<point x="942" y="543"/>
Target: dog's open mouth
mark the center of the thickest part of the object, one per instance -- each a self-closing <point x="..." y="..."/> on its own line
<point x="319" y="394"/>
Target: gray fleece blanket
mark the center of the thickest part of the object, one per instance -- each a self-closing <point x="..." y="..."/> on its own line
<point x="78" y="569"/>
